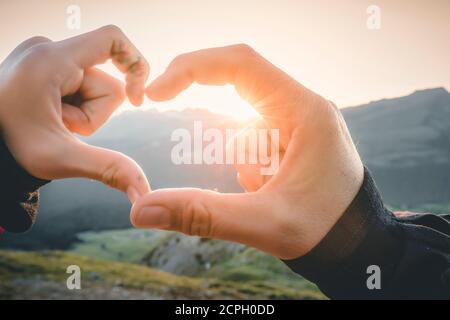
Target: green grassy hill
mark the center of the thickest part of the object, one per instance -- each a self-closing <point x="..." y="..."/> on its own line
<point x="191" y="256"/>
<point x="42" y="275"/>
<point x="195" y="257"/>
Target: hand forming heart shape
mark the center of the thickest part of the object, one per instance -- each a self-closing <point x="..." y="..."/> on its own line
<point x="36" y="125"/>
<point x="320" y="171"/>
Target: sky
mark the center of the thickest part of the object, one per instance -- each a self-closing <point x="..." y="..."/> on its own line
<point x="324" y="44"/>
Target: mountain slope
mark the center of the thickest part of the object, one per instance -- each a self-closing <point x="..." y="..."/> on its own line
<point x="405" y="142"/>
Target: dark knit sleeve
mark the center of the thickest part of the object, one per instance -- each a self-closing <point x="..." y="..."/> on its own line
<point x="373" y="254"/>
<point x="19" y="195"/>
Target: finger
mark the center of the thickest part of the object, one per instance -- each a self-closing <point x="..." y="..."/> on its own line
<point x="274" y="94"/>
<point x="109" y="167"/>
<point x="246" y="161"/>
<point x="109" y="42"/>
<point x="62" y="156"/>
<point x="100" y="95"/>
<point x="216" y="66"/>
<point x="209" y="214"/>
<point x="252" y="158"/>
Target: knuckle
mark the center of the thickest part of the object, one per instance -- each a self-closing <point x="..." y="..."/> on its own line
<point x="323" y="116"/>
<point x="41" y="51"/>
<point x="140" y="68"/>
<point x="333" y="112"/>
<point x="244" y="50"/>
<point x="243" y="47"/>
<point x="179" y="60"/>
<point x="334" y="119"/>
<point x="34" y="41"/>
<point x="111" y="174"/>
<point x="196" y="219"/>
<point x="112" y="29"/>
<point x="33" y="57"/>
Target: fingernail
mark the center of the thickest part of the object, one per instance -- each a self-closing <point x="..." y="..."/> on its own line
<point x="132" y="194"/>
<point x="154" y="217"/>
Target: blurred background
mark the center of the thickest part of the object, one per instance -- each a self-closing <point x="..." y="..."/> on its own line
<point x="390" y="77"/>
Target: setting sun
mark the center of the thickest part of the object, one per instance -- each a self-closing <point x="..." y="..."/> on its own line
<point x="218" y="99"/>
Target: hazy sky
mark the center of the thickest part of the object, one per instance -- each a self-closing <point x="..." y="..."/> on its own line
<point x="325" y="44"/>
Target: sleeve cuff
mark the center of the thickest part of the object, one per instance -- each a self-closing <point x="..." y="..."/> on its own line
<point x="363" y="236"/>
<point x="18" y="193"/>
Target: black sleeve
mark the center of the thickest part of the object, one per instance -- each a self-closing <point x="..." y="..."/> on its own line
<point x="19" y="195"/>
<point x="412" y="253"/>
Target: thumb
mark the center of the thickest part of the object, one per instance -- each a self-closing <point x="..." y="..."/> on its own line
<point x="110" y="167"/>
<point x="245" y="218"/>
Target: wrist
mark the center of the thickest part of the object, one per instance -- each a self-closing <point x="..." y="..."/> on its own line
<point x="331" y="174"/>
<point x="307" y="225"/>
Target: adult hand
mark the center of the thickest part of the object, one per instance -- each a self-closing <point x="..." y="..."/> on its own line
<point x="38" y="82"/>
<point x="319" y="175"/>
